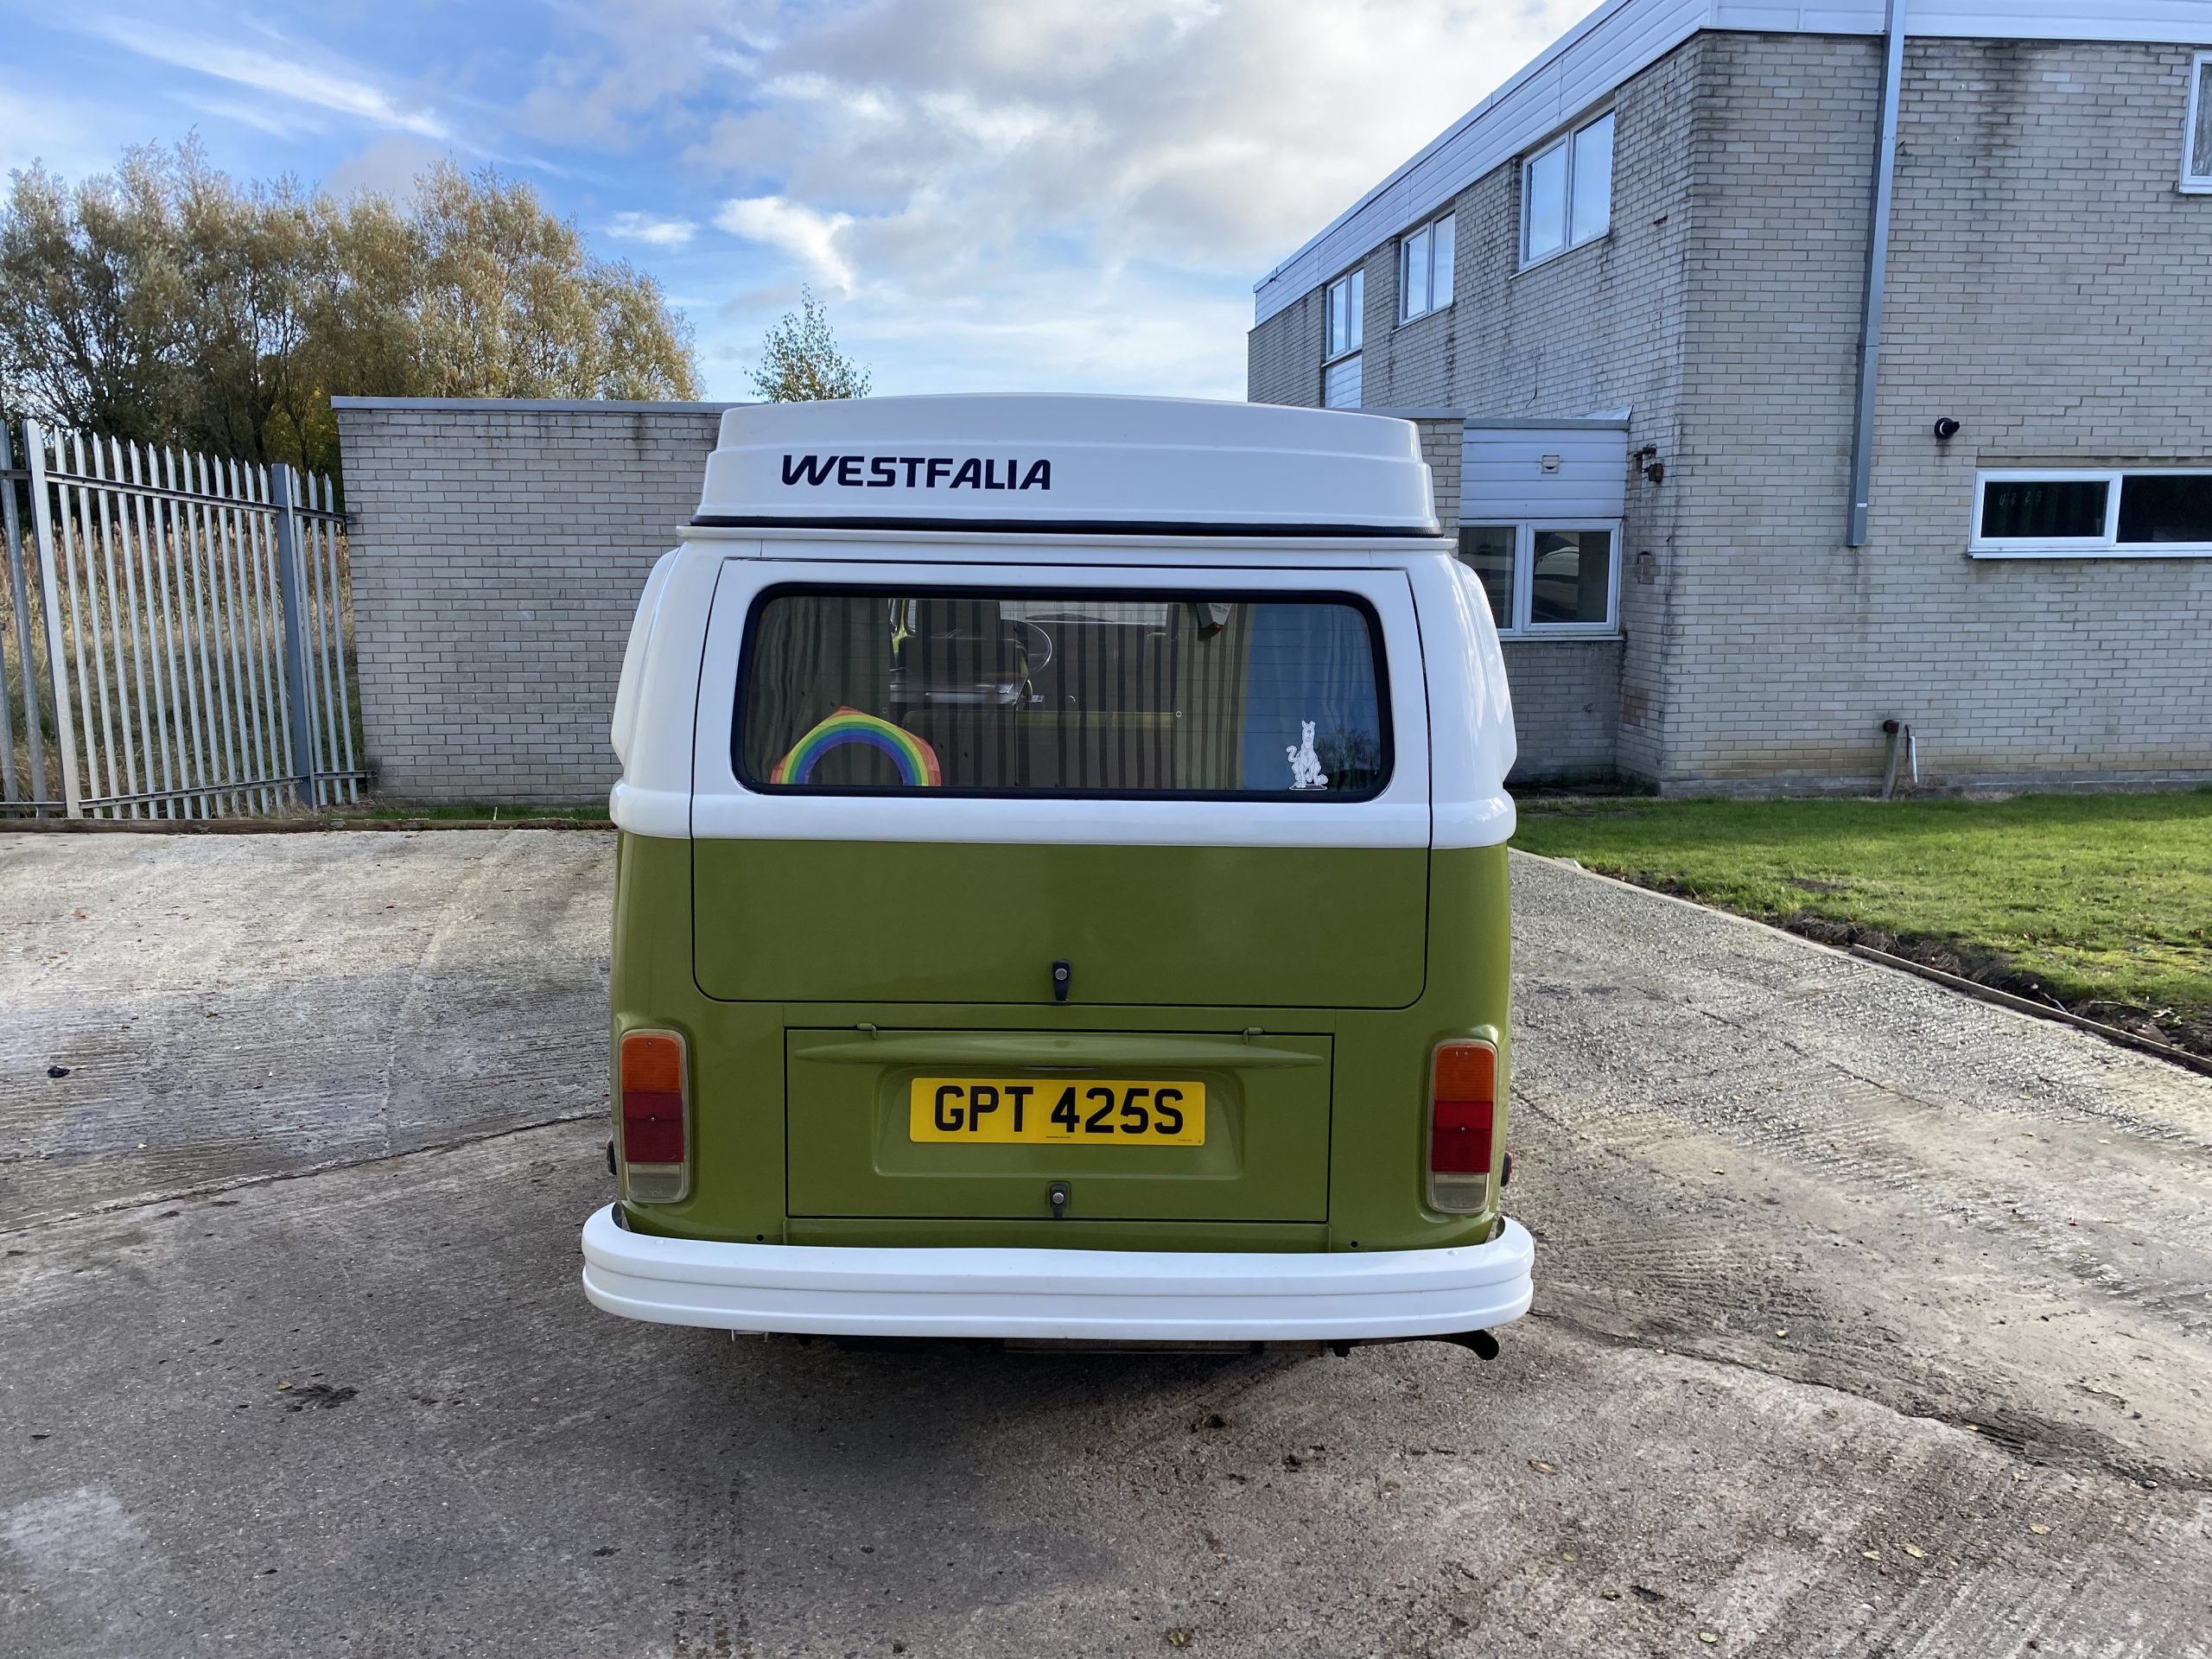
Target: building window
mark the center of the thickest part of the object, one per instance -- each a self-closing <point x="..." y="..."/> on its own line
<point x="1548" y="580"/>
<point x="1340" y="383"/>
<point x="2082" y="512"/>
<point x="1424" y="268"/>
<point x="1489" y="550"/>
<point x="1567" y="191"/>
<point x="2196" y="140"/>
<point x="1347" y="303"/>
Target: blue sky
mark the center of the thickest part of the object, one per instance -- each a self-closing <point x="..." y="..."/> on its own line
<point x="1002" y="196"/>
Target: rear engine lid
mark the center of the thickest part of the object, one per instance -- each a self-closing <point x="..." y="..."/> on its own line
<point x="1099" y="1126"/>
<point x="887" y="922"/>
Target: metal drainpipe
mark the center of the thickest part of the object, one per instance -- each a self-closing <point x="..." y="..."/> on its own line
<point x="1878" y="261"/>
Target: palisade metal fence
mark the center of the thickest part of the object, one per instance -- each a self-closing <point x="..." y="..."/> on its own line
<point x="174" y="634"/>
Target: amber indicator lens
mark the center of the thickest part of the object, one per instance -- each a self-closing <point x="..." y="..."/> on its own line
<point x="1467" y="1072"/>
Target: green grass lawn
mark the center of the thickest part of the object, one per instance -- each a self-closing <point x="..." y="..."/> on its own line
<point x="2102" y="901"/>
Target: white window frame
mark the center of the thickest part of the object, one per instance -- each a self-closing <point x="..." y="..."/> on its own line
<point x="1405" y="244"/>
<point x="1517" y="624"/>
<point x="1354" y="324"/>
<point x="2195" y="184"/>
<point x="2106" y="546"/>
<point x="1565" y="141"/>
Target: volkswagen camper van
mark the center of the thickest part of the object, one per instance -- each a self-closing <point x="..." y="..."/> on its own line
<point x="1061" y="890"/>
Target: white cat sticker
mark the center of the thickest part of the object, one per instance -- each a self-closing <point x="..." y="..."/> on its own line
<point x="1306" y="766"/>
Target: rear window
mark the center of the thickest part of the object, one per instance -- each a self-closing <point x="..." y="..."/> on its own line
<point x="1014" y="692"/>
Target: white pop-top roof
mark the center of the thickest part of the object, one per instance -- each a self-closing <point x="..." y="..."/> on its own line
<point x="1125" y="465"/>
<point x="1622" y="38"/>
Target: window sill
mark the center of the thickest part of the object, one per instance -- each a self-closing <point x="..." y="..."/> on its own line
<point x="1433" y="311"/>
<point x="2194" y="186"/>
<point x="1341" y="357"/>
<point x="1558" y="634"/>
<point x="1603" y="236"/>
<point x="2098" y="551"/>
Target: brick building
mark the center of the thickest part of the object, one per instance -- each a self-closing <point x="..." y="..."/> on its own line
<point x="1637" y="277"/>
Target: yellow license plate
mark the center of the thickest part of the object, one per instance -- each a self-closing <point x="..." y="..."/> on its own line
<point x="1058" y="1111"/>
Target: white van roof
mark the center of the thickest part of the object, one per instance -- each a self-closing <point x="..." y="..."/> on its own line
<point x="1127" y="466"/>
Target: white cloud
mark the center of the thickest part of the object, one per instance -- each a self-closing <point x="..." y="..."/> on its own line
<point x="652" y="231"/>
<point x="285" y="121"/>
<point x="630" y="58"/>
<point x="390" y="165"/>
<point x="806" y="235"/>
<point x="1009" y="193"/>
<point x="293" y="74"/>
<point x="1213" y="134"/>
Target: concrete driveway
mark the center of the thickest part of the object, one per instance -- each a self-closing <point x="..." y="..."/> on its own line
<point x="1869" y="1320"/>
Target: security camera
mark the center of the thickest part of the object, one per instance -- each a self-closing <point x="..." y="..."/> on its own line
<point x="1946" y="429"/>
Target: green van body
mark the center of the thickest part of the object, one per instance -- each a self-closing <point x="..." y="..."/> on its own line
<point x="764" y="1127"/>
<point x="1171" y="774"/>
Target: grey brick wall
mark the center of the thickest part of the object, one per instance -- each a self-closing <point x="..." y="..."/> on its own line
<point x="497" y="552"/>
<point x="1601" y="327"/>
<point x="1282" y="361"/>
<point x="1443" y="447"/>
<point x="2049" y="288"/>
<point x="1567" y="699"/>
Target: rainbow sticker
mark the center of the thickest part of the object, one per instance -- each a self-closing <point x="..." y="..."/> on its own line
<point x="916" y="761"/>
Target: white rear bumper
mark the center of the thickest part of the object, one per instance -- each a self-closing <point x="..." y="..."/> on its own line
<point x="1093" y="1295"/>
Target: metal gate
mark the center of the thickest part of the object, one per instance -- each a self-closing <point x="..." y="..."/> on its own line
<point x="173" y="633"/>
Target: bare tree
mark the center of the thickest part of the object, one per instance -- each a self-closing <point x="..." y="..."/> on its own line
<point x="800" y="361"/>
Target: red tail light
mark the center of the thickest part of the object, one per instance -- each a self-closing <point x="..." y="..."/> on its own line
<point x="656" y="1151"/>
<point x="1462" y="1112"/>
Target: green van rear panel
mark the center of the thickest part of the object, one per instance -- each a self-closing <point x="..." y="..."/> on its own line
<point x="1322" y="1111"/>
